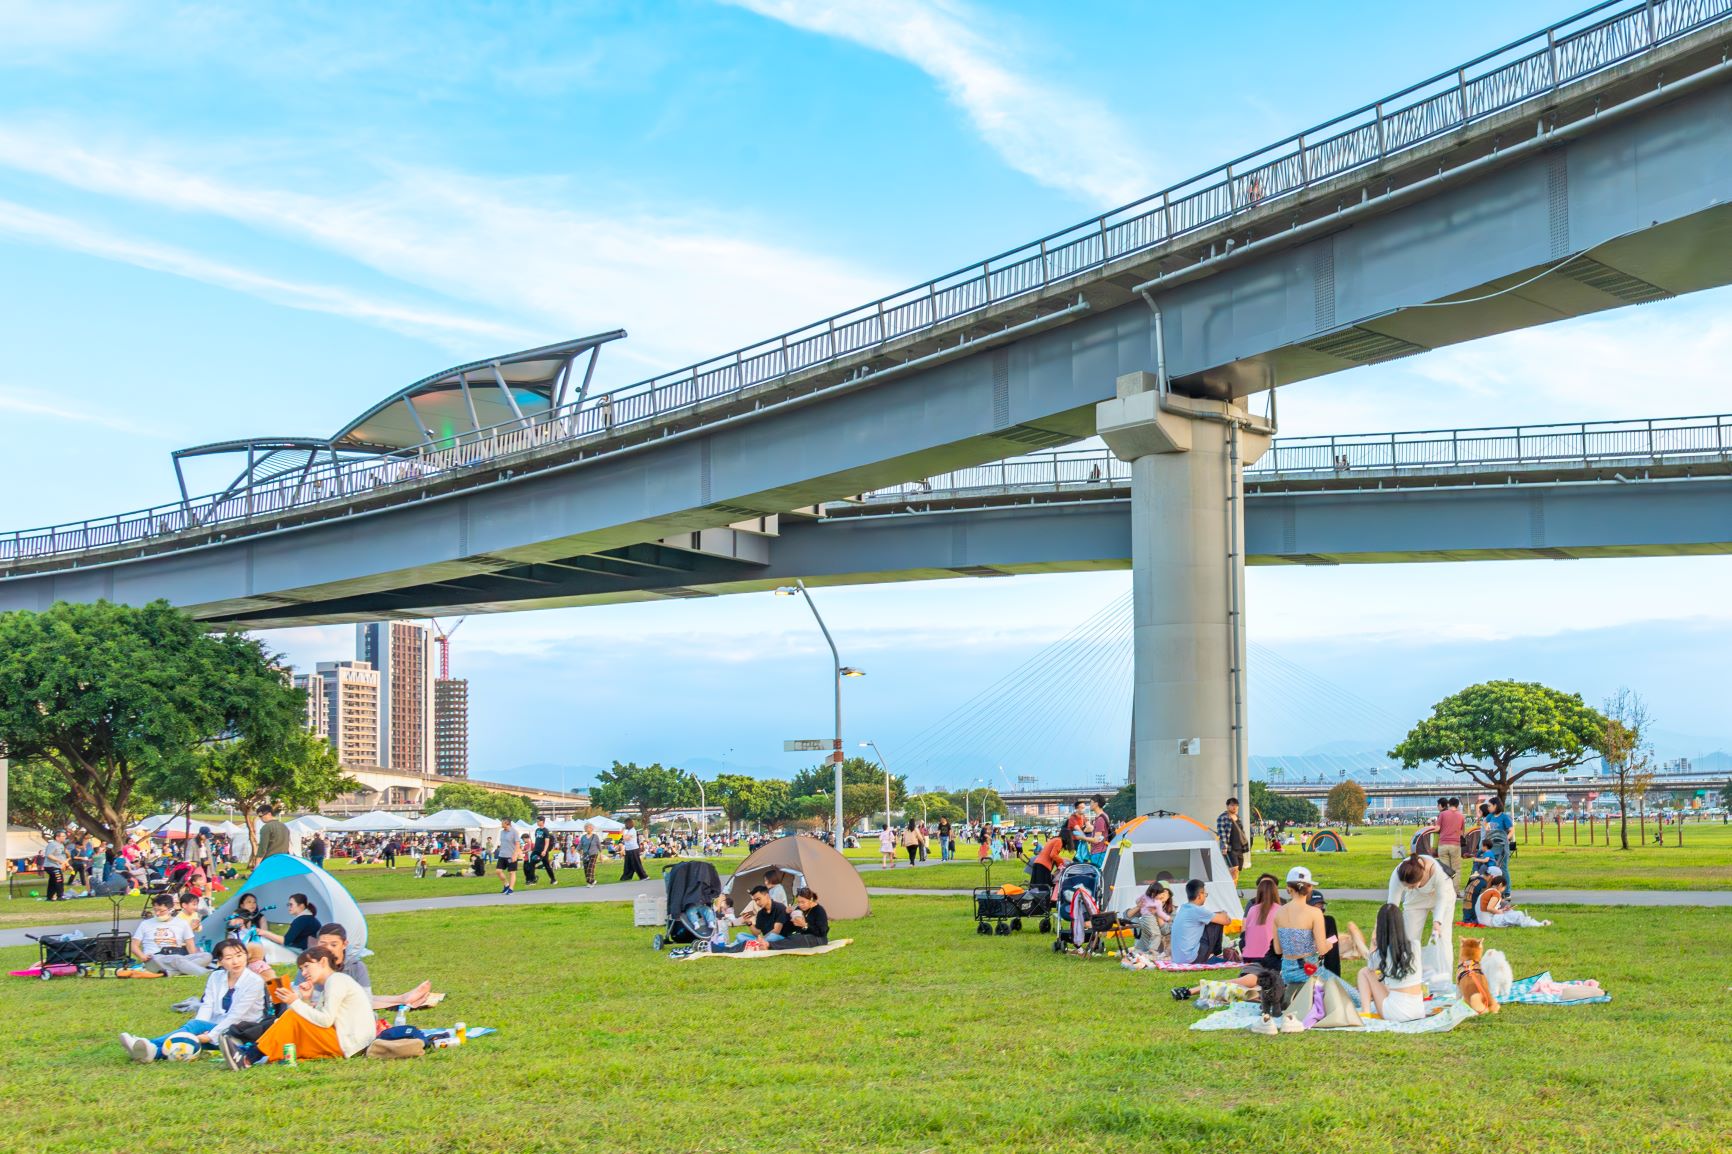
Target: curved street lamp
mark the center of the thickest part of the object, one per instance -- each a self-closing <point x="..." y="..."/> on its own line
<point x="841" y="672"/>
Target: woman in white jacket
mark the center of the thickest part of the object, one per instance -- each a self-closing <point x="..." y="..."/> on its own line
<point x="1417" y="887"/>
<point x="341" y="1027"/>
<point x="234" y="998"/>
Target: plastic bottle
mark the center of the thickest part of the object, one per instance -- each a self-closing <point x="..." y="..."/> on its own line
<point x="403" y="1015"/>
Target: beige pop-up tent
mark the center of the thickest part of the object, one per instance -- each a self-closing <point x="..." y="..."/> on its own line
<point x="816" y="865"/>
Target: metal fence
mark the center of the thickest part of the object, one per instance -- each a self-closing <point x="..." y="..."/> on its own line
<point x="1667" y="441"/>
<point x="1601" y="37"/>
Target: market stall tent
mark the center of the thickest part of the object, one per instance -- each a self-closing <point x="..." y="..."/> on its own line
<point x="378" y="821"/>
<point x="466" y="820"/>
<point x="23" y="842"/>
<point x="576" y="824"/>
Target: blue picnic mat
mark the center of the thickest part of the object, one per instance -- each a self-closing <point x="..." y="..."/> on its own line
<point x="1522" y="992"/>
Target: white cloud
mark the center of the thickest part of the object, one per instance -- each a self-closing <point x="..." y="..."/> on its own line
<point x="1061" y="139"/>
<point x="36" y="227"/>
<point x="686" y="286"/>
<point x="19" y="400"/>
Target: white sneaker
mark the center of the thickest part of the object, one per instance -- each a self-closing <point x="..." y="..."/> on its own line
<point x="1292" y="1025"/>
<point x="141" y="1049"/>
<point x="1265" y="1025"/>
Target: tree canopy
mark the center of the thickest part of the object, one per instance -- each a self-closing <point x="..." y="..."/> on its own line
<point x="1271" y="806"/>
<point x="1345" y="804"/>
<point x="123" y="703"/>
<point x="484" y="801"/>
<point x="821" y="778"/>
<point x="1486" y="730"/>
<point x="36" y="795"/>
<point x="650" y="789"/>
<point x="1122" y="806"/>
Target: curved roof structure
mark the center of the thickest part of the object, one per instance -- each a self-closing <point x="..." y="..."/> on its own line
<point x="462" y="399"/>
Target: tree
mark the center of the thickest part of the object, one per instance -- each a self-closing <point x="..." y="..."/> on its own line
<point x="1628" y="755"/>
<point x="976" y="802"/>
<point x="814" y="807"/>
<point x="650" y="789"/>
<point x="36" y="796"/>
<point x="862" y="800"/>
<point x="1486" y="729"/>
<point x="115" y="698"/>
<point x="733" y="792"/>
<point x="934" y="807"/>
<point x="855" y="771"/>
<point x="769" y="803"/>
<point x="1271" y="806"/>
<point x="486" y="802"/>
<point x="1122" y="806"/>
<point x="1345" y="804"/>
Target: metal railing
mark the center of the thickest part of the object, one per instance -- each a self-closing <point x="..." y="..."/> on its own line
<point x="1606" y="35"/>
<point x="1674" y="441"/>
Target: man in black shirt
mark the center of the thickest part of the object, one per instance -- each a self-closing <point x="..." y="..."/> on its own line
<point x="540" y="851"/>
<point x="810" y="925"/>
<point x="946" y="847"/>
<point x="771" y="923"/>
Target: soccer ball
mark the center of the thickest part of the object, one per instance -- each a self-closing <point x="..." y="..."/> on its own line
<point x="181" y="1047"/>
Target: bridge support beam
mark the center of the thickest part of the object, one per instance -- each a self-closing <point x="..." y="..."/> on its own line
<point x="1187" y="460"/>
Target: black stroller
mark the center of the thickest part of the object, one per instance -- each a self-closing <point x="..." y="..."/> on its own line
<point x="692" y="889"/>
<point x="1077" y="910"/>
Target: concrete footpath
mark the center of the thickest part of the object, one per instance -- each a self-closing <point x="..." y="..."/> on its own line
<point x="626" y="891"/>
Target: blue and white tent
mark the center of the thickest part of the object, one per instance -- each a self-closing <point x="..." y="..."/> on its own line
<point x="273" y="881"/>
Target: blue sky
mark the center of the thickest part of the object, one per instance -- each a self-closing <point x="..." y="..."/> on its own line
<point x="226" y="220"/>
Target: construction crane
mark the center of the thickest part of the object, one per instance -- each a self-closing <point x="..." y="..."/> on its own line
<point x="442" y="636"/>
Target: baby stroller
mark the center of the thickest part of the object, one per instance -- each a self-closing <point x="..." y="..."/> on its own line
<point x="692" y="888"/>
<point x="1077" y="910"/>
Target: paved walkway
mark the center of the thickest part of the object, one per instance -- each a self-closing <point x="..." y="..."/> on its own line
<point x="626" y="891"/>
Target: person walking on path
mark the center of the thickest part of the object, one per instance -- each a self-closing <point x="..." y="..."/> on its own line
<point x="946" y="847"/>
<point x="1231" y="835"/>
<point x="540" y="850"/>
<point x="1449" y="828"/>
<point x="273" y="835"/>
<point x="507" y="859"/>
<point x="629" y="846"/>
<point x="54" y="862"/>
<point x="589" y="851"/>
<point x="887" y="847"/>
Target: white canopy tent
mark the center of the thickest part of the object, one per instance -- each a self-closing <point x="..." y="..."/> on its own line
<point x="310" y="824"/>
<point x="22" y="842"/>
<point x="164" y="823"/>
<point x="465" y="820"/>
<point x="378" y="821"/>
<point x="576" y="824"/>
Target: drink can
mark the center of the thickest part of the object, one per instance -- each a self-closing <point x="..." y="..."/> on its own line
<point x="289" y="1058"/>
<point x="462" y="1031"/>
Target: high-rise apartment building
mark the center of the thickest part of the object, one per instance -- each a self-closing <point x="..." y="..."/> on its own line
<point x="451" y="727"/>
<point x="318" y="720"/>
<point x="352" y="711"/>
<point x="402" y="652"/>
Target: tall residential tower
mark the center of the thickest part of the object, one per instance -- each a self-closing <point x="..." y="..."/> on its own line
<point x="402" y="652"/>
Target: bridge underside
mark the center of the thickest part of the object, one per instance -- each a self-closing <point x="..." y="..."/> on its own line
<point x="1558" y="521"/>
<point x="1642" y="201"/>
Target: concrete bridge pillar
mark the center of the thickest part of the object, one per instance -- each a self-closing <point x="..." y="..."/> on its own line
<point x="1187" y="460"/>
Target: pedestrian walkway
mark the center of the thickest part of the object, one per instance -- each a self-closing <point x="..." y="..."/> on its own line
<point x="626" y="891"/>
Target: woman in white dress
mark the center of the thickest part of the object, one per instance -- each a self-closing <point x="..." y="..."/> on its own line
<point x="1418" y="887"/>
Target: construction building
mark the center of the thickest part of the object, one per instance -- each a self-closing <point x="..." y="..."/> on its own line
<point x="402" y="652"/>
<point x="451" y="727"/>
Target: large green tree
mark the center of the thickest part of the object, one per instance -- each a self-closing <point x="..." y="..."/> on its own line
<point x="855" y="771"/>
<point x="1345" y="804"/>
<point x="36" y="795"/>
<point x="486" y="802"/>
<point x="1271" y="806"/>
<point x="1499" y="732"/>
<point x="1122" y="806"/>
<point x="769" y="803"/>
<point x="733" y="792"/>
<point x="116" y="700"/>
<point x="649" y="789"/>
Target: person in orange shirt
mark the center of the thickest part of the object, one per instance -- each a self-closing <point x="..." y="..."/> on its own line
<point x="1050" y="859"/>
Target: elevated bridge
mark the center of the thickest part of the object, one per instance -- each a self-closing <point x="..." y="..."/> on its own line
<point x="1583" y="168"/>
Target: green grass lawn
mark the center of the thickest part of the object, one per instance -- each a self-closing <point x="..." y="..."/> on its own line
<point x="920" y="1036"/>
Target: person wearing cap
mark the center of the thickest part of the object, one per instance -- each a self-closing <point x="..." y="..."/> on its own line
<point x="1302" y="936"/>
<point x="1332" y="958"/>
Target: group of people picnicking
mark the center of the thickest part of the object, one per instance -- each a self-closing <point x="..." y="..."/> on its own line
<point x="324" y="1008"/>
<point x="770" y="920"/>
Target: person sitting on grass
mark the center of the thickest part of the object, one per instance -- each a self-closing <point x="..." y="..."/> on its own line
<point x="336" y="939"/>
<point x="1152" y="918"/>
<point x="164" y="942"/>
<point x="808" y="923"/>
<point x="769" y="924"/>
<point x="189" y="911"/>
<point x="1197" y="930"/>
<point x="233" y="1002"/>
<point x="339" y="1028"/>
<point x="1494" y="909"/>
<point x="302" y="929"/>
<point x="1390" y="981"/>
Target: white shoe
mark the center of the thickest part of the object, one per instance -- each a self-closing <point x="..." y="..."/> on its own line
<point x="1291" y="1025"/>
<point x="141" y="1049"/>
<point x="1265" y="1025"/>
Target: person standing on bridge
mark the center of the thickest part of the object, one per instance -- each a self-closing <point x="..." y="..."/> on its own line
<point x="1231" y="835"/>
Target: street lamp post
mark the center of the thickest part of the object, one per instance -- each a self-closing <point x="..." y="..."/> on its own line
<point x="882" y="764"/>
<point x="703" y="818"/>
<point x="841" y="672"/>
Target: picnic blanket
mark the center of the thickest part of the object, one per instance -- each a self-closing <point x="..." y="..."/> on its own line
<point x="1448" y="1015"/>
<point x="1179" y="967"/>
<point x="823" y="949"/>
<point x="1523" y="992"/>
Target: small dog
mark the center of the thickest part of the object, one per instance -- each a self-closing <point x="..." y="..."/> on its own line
<point x="1498" y="974"/>
<point x="1470" y="981"/>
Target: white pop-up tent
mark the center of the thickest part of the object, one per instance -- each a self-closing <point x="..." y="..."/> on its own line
<point x="23" y="842"/>
<point x="576" y="824"/>
<point x="465" y="820"/>
<point x="378" y="821"/>
<point x="309" y="824"/>
<point x="1168" y="848"/>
